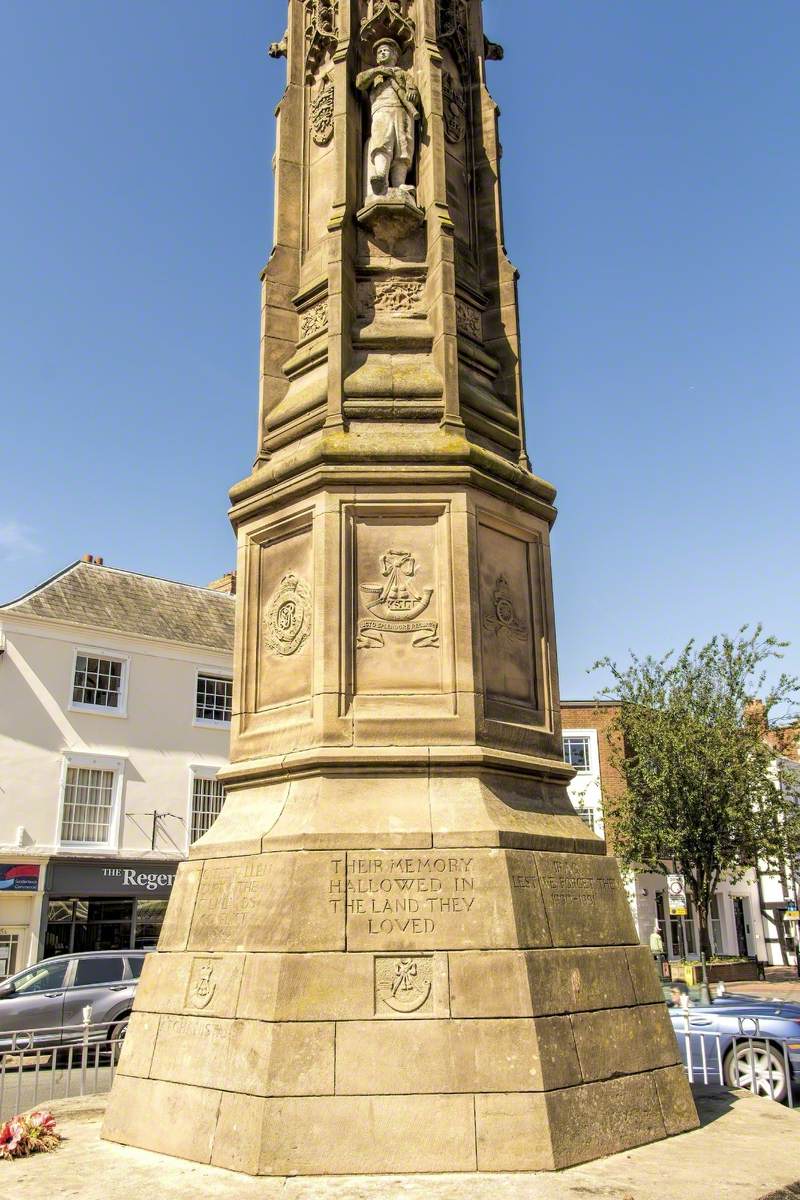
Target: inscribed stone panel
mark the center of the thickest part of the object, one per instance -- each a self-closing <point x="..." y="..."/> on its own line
<point x="584" y="899"/>
<point x="269" y="902"/>
<point x="437" y="901"/>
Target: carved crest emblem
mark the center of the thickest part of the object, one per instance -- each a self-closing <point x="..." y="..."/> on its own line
<point x="504" y="623"/>
<point x="202" y="985"/>
<point x="396" y="604"/>
<point x="287" y="616"/>
<point x="322" y="114"/>
<point x="455" y="117"/>
<point x="403" y="984"/>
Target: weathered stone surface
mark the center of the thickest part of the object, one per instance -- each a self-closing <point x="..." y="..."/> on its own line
<point x="515" y="983"/>
<point x="624" y="1041"/>
<point x="455" y="1056"/>
<point x="178" y="917"/>
<point x="513" y="1133"/>
<point x="256" y="1057"/>
<point x="140" y="1040"/>
<point x="597" y="1119"/>
<point x="307" y="987"/>
<point x="190" y="983"/>
<point x="165" y="1117"/>
<point x="644" y="975"/>
<point x="278" y="901"/>
<point x="675" y="1097"/>
<point x="333" y="1135"/>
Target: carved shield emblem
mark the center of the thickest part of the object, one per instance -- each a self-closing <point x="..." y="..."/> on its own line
<point x="322" y="115"/>
<point x="287" y="616"/>
<point x="455" y="117"/>
<point x="202" y="984"/>
<point x="403" y="983"/>
<point x="504" y="622"/>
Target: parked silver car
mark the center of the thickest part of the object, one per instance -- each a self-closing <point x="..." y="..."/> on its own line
<point x="43" y="1005"/>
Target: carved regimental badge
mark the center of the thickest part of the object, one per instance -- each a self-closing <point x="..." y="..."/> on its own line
<point x="322" y="114"/>
<point x="396" y="604"/>
<point x="455" y="119"/>
<point x="202" y="984"/>
<point x="504" y="622"/>
<point x="287" y="616"/>
<point x="403" y="983"/>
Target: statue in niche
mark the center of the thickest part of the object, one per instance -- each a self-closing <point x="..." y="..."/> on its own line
<point x="395" y="109"/>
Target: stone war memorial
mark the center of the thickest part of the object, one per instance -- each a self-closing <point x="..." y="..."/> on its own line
<point x="399" y="949"/>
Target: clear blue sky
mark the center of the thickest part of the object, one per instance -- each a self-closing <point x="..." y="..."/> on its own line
<point x="652" y="188"/>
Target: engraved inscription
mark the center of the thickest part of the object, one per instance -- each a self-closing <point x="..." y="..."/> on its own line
<point x="396" y="604"/>
<point x="564" y="885"/>
<point x="287" y="616"/>
<point x="404" y="983"/>
<point x="407" y="895"/>
<point x="202" y="984"/>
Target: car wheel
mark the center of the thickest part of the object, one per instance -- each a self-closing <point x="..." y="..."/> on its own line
<point x="117" y="1037"/>
<point x="762" y="1062"/>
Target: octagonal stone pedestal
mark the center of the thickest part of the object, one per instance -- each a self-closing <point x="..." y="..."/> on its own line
<point x="323" y="1011"/>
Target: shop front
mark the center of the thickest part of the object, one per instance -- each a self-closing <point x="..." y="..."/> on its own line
<point x="20" y="908"/>
<point x="105" y="905"/>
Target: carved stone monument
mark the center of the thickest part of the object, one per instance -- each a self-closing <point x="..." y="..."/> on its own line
<point x="399" y="948"/>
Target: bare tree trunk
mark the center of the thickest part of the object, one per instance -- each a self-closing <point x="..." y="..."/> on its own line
<point x="702" y="921"/>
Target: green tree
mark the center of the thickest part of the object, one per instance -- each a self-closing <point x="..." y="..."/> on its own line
<point x="698" y="739"/>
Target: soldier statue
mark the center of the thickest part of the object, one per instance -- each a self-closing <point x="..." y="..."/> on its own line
<point x="395" y="107"/>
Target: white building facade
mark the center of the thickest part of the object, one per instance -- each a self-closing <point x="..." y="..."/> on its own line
<point x="744" y="915"/>
<point x="115" y="701"/>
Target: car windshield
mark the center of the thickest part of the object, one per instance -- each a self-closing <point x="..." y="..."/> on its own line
<point x="44" y="977"/>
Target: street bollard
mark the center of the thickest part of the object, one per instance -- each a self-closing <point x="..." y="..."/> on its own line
<point x="87" y="1020"/>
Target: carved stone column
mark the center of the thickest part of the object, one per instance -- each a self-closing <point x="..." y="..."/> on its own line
<point x="399" y="948"/>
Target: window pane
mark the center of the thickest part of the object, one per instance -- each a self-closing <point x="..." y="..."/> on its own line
<point x="208" y="796"/>
<point x="135" y="966"/>
<point x="45" y="977"/>
<point x="576" y="752"/>
<point x="99" y="970"/>
<point x="214" y="698"/>
<point x="88" y="805"/>
<point x="98" y="681"/>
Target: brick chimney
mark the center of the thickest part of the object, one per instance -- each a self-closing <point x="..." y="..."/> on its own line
<point x="226" y="583"/>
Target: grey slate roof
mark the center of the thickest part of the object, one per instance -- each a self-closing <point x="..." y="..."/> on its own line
<point x="123" y="602"/>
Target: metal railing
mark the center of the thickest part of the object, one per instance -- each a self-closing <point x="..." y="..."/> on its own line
<point x="38" y="1066"/>
<point x="751" y="1054"/>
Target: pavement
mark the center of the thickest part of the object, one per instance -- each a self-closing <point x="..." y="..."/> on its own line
<point x="781" y="983"/>
<point x="746" y="1149"/>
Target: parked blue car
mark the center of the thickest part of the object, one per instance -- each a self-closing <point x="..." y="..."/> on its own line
<point x="756" y="1041"/>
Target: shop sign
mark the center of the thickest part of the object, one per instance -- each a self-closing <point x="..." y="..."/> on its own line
<point x="792" y="914"/>
<point x="19" y="877"/>
<point x="676" y="891"/>
<point x="111" y="878"/>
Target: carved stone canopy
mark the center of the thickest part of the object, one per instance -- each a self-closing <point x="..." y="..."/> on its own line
<point x="386" y="19"/>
